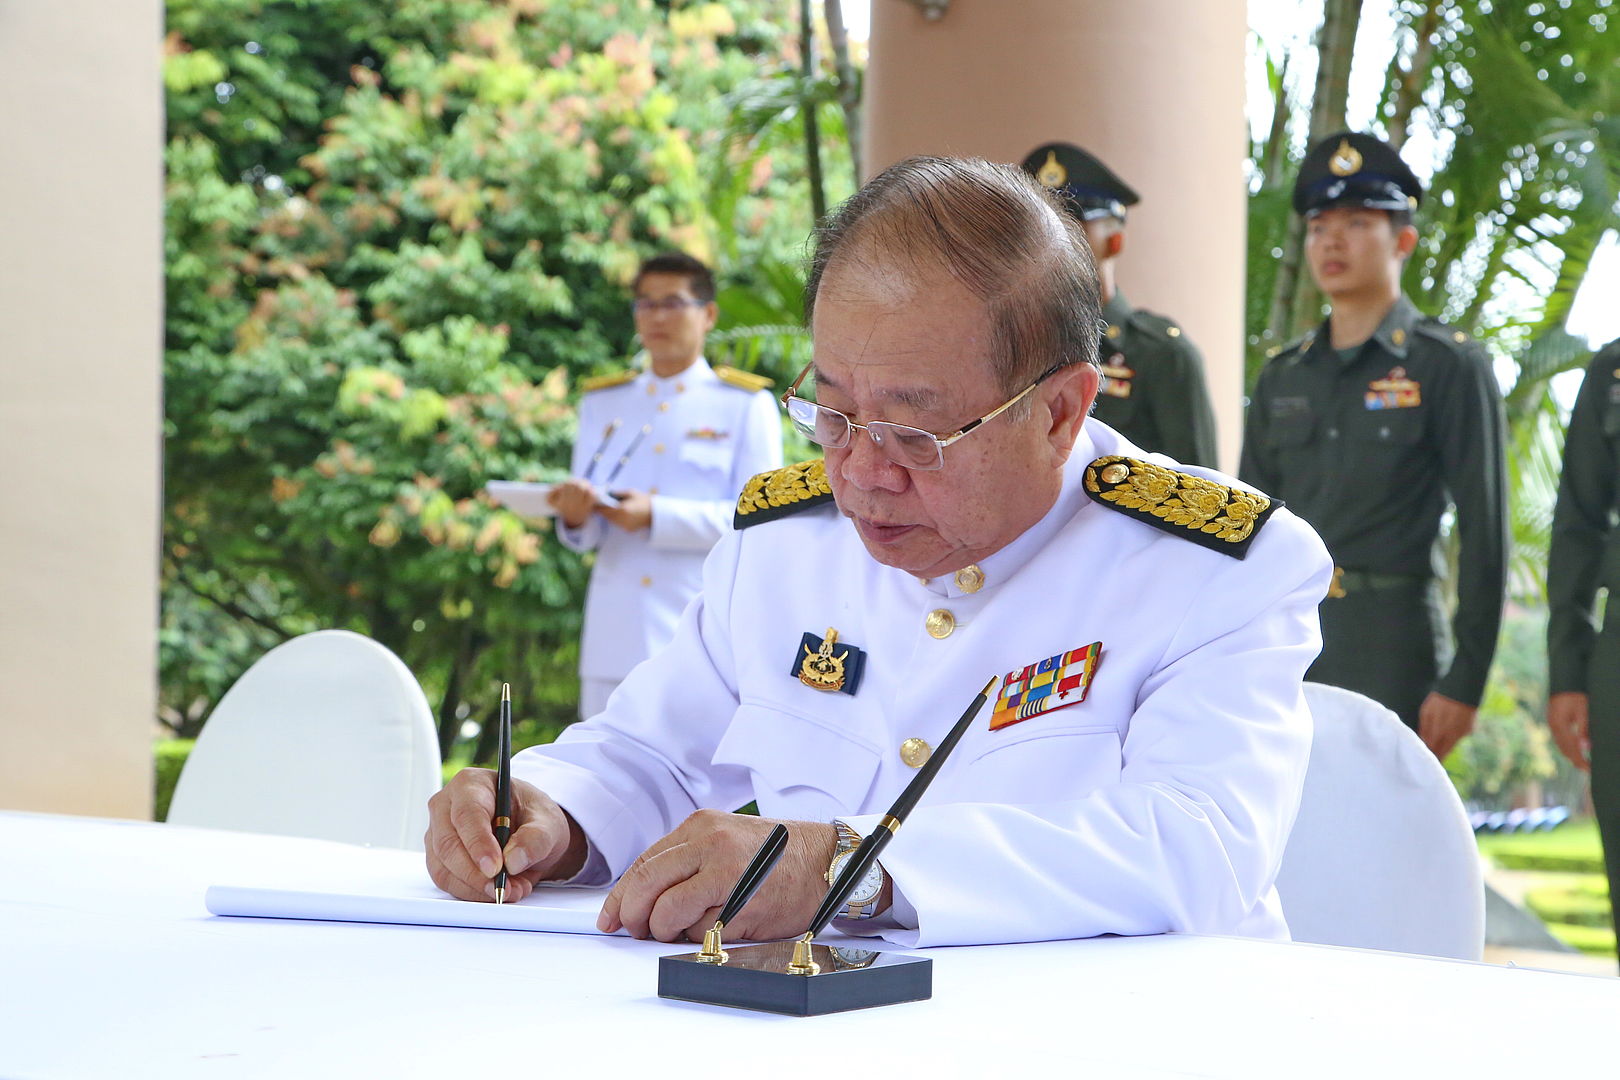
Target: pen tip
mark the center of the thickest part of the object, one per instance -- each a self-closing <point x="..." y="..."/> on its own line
<point x="500" y="896"/>
<point x="506" y="692"/>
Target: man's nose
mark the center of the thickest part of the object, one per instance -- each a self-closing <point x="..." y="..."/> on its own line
<point x="867" y="467"/>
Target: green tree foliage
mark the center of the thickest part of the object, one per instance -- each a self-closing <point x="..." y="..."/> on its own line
<point x="396" y="233"/>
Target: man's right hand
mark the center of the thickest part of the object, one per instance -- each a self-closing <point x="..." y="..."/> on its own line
<point x="1568" y="716"/>
<point x="574" y="500"/>
<point x="463" y="857"/>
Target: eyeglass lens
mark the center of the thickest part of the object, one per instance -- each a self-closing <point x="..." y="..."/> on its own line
<point x="907" y="446"/>
<point x="647" y="304"/>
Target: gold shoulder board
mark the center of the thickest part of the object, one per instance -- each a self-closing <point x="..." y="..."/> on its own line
<point x="742" y="380"/>
<point x="781" y="492"/>
<point x="1223" y="518"/>
<point x="602" y="382"/>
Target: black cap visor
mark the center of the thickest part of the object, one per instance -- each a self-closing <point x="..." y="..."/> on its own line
<point x="1369" y="192"/>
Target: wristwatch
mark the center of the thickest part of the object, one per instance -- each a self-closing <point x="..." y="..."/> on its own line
<point x="863" y="900"/>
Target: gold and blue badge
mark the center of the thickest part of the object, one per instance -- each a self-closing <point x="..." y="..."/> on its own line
<point x="825" y="663"/>
<point x="1394" y="391"/>
<point x="1054" y="683"/>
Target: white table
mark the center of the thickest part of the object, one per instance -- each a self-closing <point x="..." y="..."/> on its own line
<point x="111" y="967"/>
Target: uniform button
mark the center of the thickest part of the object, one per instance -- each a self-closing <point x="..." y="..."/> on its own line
<point x="940" y="623"/>
<point x="653" y="490"/>
<point x="663" y="406"/>
<point x="658" y="449"/>
<point x="1173" y="331"/>
<point x="1333" y="433"/>
<point x="1383" y="433"/>
<point x="915" y="752"/>
<point x="645" y="580"/>
<point x="680" y="388"/>
<point x="970" y="579"/>
<point x="652" y="389"/>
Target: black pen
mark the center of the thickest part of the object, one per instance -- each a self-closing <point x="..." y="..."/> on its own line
<point x="625" y="457"/>
<point x="503" y="791"/>
<point x="865" y="855"/>
<point x="601" y="448"/>
<point x="759" y="868"/>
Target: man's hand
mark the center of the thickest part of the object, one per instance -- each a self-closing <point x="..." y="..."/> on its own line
<point x="462" y="856"/>
<point x="573" y="499"/>
<point x="1568" y="715"/>
<point x="633" y="513"/>
<point x="675" y="888"/>
<point x="1442" y="722"/>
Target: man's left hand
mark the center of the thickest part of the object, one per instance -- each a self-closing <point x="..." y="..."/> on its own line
<point x="633" y="513"/>
<point x="1443" y="722"/>
<point x="675" y="889"/>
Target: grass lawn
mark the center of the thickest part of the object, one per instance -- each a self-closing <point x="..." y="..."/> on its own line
<point x="1569" y="890"/>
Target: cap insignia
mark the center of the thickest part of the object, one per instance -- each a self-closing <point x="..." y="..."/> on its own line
<point x="1346" y="160"/>
<point x="1208" y="513"/>
<point x="1052" y="174"/>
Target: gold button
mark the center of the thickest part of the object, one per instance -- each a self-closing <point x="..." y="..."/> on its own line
<point x="658" y="448"/>
<point x="1113" y="474"/>
<point x="1173" y="331"/>
<point x="652" y="389"/>
<point x="1459" y="337"/>
<point x="663" y="406"/>
<point x="680" y="388"/>
<point x="653" y="490"/>
<point x="915" y="752"/>
<point x="970" y="579"/>
<point x="940" y="623"/>
<point x="645" y="580"/>
<point x="1113" y="331"/>
<point x="1398" y="337"/>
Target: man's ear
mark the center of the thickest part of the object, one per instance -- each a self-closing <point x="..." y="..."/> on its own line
<point x="1406" y="239"/>
<point x="712" y="311"/>
<point x="1068" y="404"/>
<point x="1115" y="243"/>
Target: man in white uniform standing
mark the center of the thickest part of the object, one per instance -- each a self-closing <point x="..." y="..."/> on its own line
<point x="674" y="443"/>
<point x="1148" y="627"/>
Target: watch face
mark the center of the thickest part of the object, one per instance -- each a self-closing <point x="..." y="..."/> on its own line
<point x="866" y="890"/>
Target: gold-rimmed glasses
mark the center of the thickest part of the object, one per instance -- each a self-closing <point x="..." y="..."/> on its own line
<point x="910" y="447"/>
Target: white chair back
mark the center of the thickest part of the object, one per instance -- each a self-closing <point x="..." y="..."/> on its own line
<point x="1382" y="855"/>
<point x="327" y="736"/>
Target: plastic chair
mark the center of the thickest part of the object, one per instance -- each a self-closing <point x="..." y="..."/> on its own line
<point x="328" y="736"/>
<point x="1382" y="855"/>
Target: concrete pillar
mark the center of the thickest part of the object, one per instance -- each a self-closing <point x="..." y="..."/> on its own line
<point x="1153" y="87"/>
<point x="81" y="309"/>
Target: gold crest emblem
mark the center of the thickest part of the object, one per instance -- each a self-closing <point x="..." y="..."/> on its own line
<point x="1052" y="174"/>
<point x="1346" y="160"/>
<point x="821" y="670"/>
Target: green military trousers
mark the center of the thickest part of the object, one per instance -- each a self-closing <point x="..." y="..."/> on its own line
<point x="1384" y="642"/>
<point x="1603" y="686"/>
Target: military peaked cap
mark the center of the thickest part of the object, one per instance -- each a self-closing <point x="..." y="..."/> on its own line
<point x="1352" y="169"/>
<point x="1089" y="188"/>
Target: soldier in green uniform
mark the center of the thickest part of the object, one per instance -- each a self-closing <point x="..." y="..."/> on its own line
<point x="1153" y="388"/>
<point x="1583" y="670"/>
<point x="1368" y="427"/>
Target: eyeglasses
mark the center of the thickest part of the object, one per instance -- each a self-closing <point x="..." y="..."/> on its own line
<point x="646" y="305"/>
<point x="912" y="448"/>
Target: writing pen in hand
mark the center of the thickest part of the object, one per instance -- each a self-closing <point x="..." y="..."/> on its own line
<point x="503" y="791"/>
<point x="861" y="861"/>
<point x="759" y="868"/>
<point x="607" y="436"/>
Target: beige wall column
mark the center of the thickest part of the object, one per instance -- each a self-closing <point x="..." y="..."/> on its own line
<point x="1153" y="87"/>
<point x="81" y="308"/>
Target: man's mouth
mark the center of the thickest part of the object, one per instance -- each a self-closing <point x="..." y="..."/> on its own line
<point x="878" y="532"/>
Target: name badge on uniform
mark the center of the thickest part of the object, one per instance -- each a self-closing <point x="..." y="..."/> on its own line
<point x="826" y="664"/>
<point x="1054" y="683"/>
<point x="1117" y="376"/>
<point x="1394" y="391"/>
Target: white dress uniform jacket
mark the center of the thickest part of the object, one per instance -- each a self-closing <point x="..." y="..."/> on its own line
<point x="1162" y="802"/>
<point x="705" y="438"/>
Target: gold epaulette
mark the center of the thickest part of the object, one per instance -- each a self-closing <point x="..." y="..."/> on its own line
<point x="1223" y="518"/>
<point x="742" y="380"/>
<point x="602" y="382"/>
<point x="781" y="492"/>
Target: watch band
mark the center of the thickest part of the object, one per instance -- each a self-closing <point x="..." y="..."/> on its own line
<point x="848" y="841"/>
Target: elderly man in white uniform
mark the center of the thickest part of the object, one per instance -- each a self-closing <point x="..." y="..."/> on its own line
<point x="1149" y="626"/>
<point x="675" y="443"/>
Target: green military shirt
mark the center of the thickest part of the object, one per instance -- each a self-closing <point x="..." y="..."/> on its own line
<point x="1370" y="449"/>
<point x="1153" y="389"/>
<point x="1585" y="551"/>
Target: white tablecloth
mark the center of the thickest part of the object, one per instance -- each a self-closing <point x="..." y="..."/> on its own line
<point x="111" y="967"/>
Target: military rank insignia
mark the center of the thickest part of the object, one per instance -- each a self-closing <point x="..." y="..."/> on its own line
<point x="1055" y="683"/>
<point x="1394" y="391"/>
<point x="1222" y="518"/>
<point x="1117" y="378"/>
<point x="823" y="663"/>
<point x="708" y="433"/>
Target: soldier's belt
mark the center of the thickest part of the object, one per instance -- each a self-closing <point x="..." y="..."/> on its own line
<point x="1346" y="582"/>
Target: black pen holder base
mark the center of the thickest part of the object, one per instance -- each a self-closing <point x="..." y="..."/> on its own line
<point x="756" y="977"/>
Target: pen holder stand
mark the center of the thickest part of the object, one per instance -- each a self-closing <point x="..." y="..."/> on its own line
<point x="756" y="977"/>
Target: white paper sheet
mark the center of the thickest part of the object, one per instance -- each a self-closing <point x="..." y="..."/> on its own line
<point x="564" y="911"/>
<point x="522" y="497"/>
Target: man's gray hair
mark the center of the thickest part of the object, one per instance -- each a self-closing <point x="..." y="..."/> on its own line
<point x="995" y="230"/>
